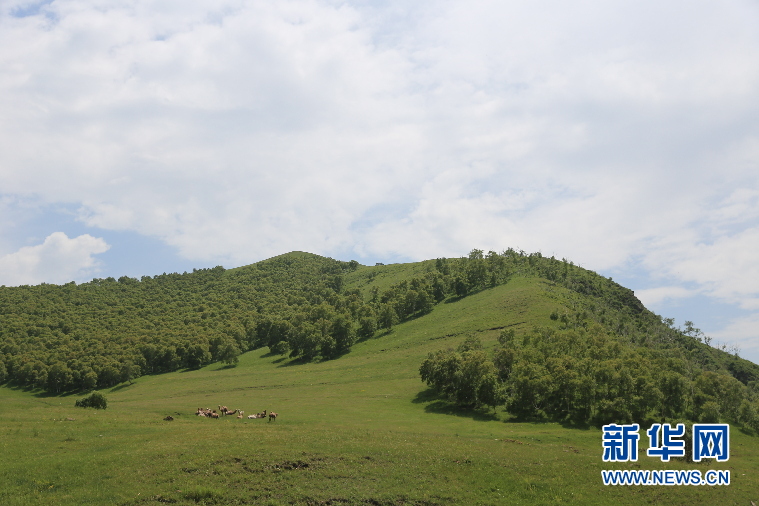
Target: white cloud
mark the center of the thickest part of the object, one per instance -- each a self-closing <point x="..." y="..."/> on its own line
<point x="741" y="332"/>
<point x="653" y="296"/>
<point x="57" y="260"/>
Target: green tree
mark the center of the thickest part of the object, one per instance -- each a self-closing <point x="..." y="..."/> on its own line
<point x="281" y="348"/>
<point x="491" y="391"/>
<point x="89" y="381"/>
<point x="387" y="316"/>
<point x="94" y="400"/>
<point x="129" y="372"/>
<point x="367" y="326"/>
<point x="675" y="393"/>
<point x="343" y="333"/>
<point x="199" y="355"/>
<point x="229" y="352"/>
<point x="424" y="302"/>
<point x="460" y="286"/>
<point x="59" y="377"/>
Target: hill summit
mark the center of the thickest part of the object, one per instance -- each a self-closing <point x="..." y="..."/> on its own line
<point x="583" y="347"/>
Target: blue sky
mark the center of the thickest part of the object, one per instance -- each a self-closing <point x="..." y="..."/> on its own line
<point x="144" y="137"/>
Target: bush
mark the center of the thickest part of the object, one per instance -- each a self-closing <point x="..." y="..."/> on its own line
<point x="95" y="400"/>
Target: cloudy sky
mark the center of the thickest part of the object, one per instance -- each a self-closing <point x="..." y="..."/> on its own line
<point x="139" y="137"/>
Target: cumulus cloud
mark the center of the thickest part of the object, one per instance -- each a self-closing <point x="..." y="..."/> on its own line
<point x="57" y="260"/>
<point x="741" y="333"/>
<point x="653" y="296"/>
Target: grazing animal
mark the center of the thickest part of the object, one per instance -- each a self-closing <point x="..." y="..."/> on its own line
<point x="257" y="415"/>
<point x="272" y="416"/>
<point x="169" y="418"/>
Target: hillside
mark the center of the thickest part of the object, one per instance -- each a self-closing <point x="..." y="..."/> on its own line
<point x="102" y="333"/>
<point x="359" y="427"/>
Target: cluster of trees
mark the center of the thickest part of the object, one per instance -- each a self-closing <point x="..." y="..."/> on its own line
<point x="107" y="331"/>
<point x="466" y="376"/>
<point x="330" y="328"/>
<point x="587" y="375"/>
<point x="328" y="324"/>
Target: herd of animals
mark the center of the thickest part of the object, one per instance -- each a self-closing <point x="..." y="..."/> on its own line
<point x="224" y="411"/>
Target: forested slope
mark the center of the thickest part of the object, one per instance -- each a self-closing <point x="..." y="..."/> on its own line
<point x="596" y="354"/>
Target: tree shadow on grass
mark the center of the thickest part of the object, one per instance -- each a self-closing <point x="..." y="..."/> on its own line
<point x="378" y="334"/>
<point x="225" y="367"/>
<point x="577" y="425"/>
<point x="39" y="393"/>
<point x="542" y="420"/>
<point x="428" y="395"/>
<point x="455" y="298"/>
<point x="440" y="406"/>
<point x="305" y="360"/>
<point x="295" y="361"/>
<point x="122" y="386"/>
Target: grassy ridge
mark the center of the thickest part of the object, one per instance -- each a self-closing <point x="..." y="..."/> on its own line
<point x="362" y="429"/>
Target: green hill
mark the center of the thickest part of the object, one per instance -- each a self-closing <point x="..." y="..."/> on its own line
<point x="356" y="424"/>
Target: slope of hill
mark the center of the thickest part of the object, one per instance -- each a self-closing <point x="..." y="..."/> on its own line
<point x="99" y="334"/>
<point x="358" y="429"/>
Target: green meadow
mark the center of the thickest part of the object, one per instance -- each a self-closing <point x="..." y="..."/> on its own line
<point x="359" y="429"/>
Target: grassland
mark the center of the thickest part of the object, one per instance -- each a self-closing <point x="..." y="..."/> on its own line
<point x="361" y="429"/>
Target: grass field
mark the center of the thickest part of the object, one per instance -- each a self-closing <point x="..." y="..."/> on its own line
<point x="362" y="429"/>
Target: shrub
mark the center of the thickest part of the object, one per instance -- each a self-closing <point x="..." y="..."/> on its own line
<point x="94" y="400"/>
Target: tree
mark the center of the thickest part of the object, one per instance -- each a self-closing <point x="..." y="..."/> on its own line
<point x="94" y="400"/>
<point x="438" y="289"/>
<point x="198" y="355"/>
<point x="281" y="348"/>
<point x="424" y="302"/>
<point x="109" y="375"/>
<point x="387" y="317"/>
<point x="90" y="380"/>
<point x="343" y="333"/>
<point x="59" y="377"/>
<point x="466" y="377"/>
<point x="229" y="353"/>
<point x="460" y="287"/>
<point x="476" y="270"/>
<point x="367" y="326"/>
<point x="129" y="372"/>
<point x="674" y="389"/>
<point x="491" y="391"/>
<point x="328" y="347"/>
